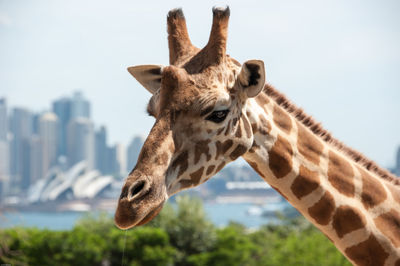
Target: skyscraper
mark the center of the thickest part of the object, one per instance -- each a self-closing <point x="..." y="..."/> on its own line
<point x="4" y="148"/>
<point x="4" y="167"/>
<point x="66" y="109"/>
<point x="80" y="107"/>
<point x="21" y="129"/>
<point x="3" y="119"/>
<point x="112" y="162"/>
<point x="101" y="150"/>
<point x="133" y="151"/>
<point x="397" y="167"/>
<point x="48" y="125"/>
<point x="62" y="108"/>
<point x="35" y="159"/>
<point x="120" y="156"/>
<point x="80" y="142"/>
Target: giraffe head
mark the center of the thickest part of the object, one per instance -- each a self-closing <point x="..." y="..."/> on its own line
<point x="198" y="102"/>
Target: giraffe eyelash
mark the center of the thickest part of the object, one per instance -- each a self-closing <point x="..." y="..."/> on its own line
<point x="218" y="116"/>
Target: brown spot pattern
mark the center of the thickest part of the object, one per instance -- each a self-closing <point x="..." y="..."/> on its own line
<point x="397" y="263"/>
<point x="255" y="167"/>
<point x="306" y="182"/>
<point x="308" y="144"/>
<point x="254" y="147"/>
<point x="220" y="166"/>
<point x="223" y="147"/>
<point x="238" y="133"/>
<point x="264" y="126"/>
<point x="228" y="129"/>
<point x="367" y="253"/>
<point x="389" y="224"/>
<point x="254" y="128"/>
<point x="200" y="148"/>
<point x="280" y="158"/>
<point x="210" y="169"/>
<point x="196" y="176"/>
<point x="234" y="121"/>
<point x="282" y="119"/>
<point x="346" y="220"/>
<point x="322" y="211"/>
<point x="247" y="128"/>
<point x="220" y="130"/>
<point x="182" y="162"/>
<point x="280" y="192"/>
<point x="239" y="150"/>
<point x="340" y="174"/>
<point x="373" y="192"/>
<point x="230" y="78"/>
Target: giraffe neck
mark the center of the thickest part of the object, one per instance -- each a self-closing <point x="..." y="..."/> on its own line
<point x="355" y="208"/>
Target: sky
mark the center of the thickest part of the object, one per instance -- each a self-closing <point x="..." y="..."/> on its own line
<point x="338" y="60"/>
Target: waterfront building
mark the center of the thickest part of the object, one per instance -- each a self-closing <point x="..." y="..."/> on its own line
<point x="101" y="150"/>
<point x="21" y="127"/>
<point x="397" y="167"/>
<point x="80" y="142"/>
<point x="62" y="108"/>
<point x="120" y="157"/>
<point x="80" y="106"/>
<point x="48" y="132"/>
<point x="3" y="119"/>
<point x="4" y="148"/>
<point x="66" y="109"/>
<point x="35" y="159"/>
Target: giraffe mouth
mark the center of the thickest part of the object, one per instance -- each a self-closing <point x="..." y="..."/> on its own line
<point x="128" y="215"/>
<point x="151" y="215"/>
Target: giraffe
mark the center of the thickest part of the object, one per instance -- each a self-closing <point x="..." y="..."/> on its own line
<point x="210" y="110"/>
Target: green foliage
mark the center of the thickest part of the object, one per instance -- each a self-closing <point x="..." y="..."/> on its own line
<point x="189" y="230"/>
<point x="179" y="236"/>
<point x="141" y="246"/>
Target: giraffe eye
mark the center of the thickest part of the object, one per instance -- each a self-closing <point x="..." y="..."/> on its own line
<point x="218" y="116"/>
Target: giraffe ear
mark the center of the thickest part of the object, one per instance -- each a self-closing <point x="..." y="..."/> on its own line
<point x="252" y="77"/>
<point x="147" y="75"/>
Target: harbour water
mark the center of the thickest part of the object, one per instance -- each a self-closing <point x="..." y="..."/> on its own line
<point x="219" y="213"/>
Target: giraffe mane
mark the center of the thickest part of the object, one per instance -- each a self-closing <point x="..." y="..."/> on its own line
<point x="318" y="130"/>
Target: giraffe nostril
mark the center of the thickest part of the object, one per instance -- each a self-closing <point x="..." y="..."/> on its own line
<point x="136" y="188"/>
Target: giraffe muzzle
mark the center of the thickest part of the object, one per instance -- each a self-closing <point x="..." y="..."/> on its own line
<point x="140" y="201"/>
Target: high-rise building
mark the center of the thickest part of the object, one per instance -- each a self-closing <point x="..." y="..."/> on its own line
<point x="120" y="156"/>
<point x="80" y="107"/>
<point x="133" y="151"/>
<point x="101" y="150"/>
<point x="3" y="119"/>
<point x="21" y="126"/>
<point x="62" y="108"/>
<point x="397" y="167"/>
<point x="48" y="125"/>
<point x="66" y="109"/>
<point x="4" y="167"/>
<point x="112" y="162"/>
<point x="35" y="159"/>
<point x="4" y="148"/>
<point x="80" y="142"/>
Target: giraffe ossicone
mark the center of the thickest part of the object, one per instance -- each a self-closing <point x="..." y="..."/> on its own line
<point x="210" y="110"/>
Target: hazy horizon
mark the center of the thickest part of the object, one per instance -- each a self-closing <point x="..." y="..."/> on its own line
<point x="337" y="60"/>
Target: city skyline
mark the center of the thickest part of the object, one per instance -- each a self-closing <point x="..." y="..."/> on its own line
<point x="338" y="61"/>
<point x="35" y="145"/>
